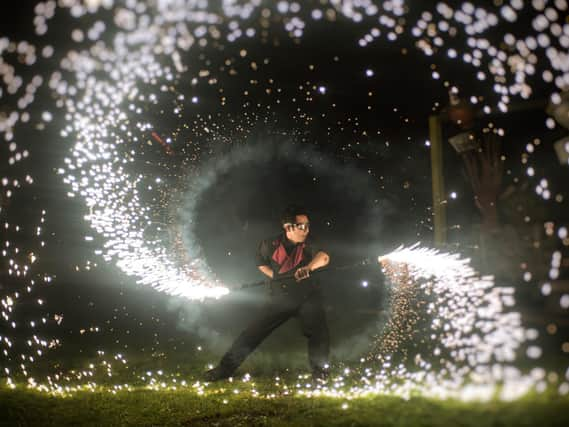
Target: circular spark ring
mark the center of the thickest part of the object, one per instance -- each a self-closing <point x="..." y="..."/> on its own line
<point x="101" y="117"/>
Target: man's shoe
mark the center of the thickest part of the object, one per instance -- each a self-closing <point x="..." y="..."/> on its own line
<point x="216" y="374"/>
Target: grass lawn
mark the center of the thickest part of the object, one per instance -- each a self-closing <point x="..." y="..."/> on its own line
<point x="219" y="406"/>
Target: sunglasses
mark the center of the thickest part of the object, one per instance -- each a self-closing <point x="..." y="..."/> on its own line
<point x="300" y="225"/>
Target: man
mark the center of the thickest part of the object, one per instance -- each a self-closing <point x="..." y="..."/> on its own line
<point x="287" y="260"/>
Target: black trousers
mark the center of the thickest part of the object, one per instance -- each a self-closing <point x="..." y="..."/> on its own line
<point x="280" y="308"/>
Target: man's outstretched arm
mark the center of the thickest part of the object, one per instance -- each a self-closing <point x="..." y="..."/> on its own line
<point x="321" y="259"/>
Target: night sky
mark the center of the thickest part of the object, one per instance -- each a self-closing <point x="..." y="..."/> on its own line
<point x="164" y="143"/>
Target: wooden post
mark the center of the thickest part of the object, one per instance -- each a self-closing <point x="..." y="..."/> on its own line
<point x="439" y="197"/>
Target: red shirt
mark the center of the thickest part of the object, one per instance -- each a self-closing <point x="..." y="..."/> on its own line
<point x="284" y="256"/>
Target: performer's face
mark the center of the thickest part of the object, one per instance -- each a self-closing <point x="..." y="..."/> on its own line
<point x="298" y="231"/>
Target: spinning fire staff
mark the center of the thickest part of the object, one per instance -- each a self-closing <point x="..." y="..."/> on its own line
<point x="290" y="253"/>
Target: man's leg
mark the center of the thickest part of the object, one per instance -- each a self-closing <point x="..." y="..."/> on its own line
<point x="274" y="314"/>
<point x="314" y="327"/>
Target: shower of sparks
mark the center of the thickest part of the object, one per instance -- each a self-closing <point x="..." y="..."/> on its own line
<point x="474" y="340"/>
<point x="103" y="92"/>
<point x="474" y="332"/>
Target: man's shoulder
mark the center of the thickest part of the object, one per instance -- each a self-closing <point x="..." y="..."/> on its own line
<point x="271" y="241"/>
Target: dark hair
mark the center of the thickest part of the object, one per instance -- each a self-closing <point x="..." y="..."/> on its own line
<point x="290" y="213"/>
